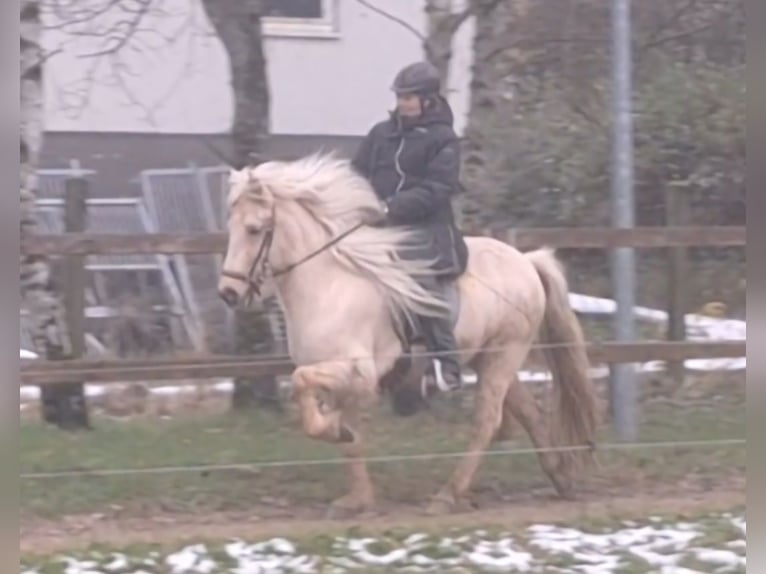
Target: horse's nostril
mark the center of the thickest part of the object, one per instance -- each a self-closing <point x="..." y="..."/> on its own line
<point x="229" y="296"/>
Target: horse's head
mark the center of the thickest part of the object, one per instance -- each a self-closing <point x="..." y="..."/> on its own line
<point x="251" y="232"/>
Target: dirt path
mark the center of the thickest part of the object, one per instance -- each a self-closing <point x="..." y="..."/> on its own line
<point x="73" y="533"/>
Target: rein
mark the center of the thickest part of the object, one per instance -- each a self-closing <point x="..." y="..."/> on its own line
<point x="325" y="247"/>
<point x="261" y="259"/>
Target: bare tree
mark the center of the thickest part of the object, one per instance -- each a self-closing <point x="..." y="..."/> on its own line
<point x="443" y="20"/>
<point x="112" y="38"/>
<point x="495" y="25"/>
<point x="108" y="33"/>
<point x="238" y="26"/>
<point x="63" y="404"/>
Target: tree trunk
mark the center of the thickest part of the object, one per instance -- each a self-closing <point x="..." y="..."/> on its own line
<point x="493" y="27"/>
<point x="440" y="30"/>
<point x="63" y="404"/>
<point x="442" y="23"/>
<point x="238" y="26"/>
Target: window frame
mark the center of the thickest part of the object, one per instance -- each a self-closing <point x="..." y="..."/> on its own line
<point x="325" y="27"/>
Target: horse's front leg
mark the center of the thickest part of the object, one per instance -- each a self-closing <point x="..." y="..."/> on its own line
<point x="308" y="381"/>
<point x="339" y="423"/>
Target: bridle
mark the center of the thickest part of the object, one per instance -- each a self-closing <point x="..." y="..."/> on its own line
<point x="257" y="272"/>
<point x="255" y="276"/>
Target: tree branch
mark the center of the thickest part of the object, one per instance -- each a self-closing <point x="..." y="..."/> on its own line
<point x="675" y="37"/>
<point x="393" y="18"/>
<point x="672" y="20"/>
<point x="111" y="34"/>
<point x="54" y="7"/>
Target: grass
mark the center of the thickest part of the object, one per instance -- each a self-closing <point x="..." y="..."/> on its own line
<point x="237" y="438"/>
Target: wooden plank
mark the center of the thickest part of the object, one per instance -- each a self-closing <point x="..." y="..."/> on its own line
<point x="571" y="238"/>
<point x="124" y="244"/>
<point x="205" y="367"/>
<point x="637" y="237"/>
<point x="676" y="214"/>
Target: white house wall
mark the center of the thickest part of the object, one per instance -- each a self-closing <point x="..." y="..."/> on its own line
<point x="323" y="85"/>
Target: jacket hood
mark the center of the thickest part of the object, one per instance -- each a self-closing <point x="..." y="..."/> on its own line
<point x="440" y="114"/>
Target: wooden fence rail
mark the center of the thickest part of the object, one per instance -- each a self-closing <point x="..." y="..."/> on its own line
<point x="121" y="370"/>
<point x="75" y="246"/>
<point x="581" y="238"/>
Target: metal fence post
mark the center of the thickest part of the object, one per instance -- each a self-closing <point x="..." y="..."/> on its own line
<point x="623" y="391"/>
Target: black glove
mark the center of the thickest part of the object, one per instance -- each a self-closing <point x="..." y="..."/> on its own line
<point x="379" y="218"/>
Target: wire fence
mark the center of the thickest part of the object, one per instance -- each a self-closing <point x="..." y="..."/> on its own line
<point x="206" y="468"/>
<point x="278" y="361"/>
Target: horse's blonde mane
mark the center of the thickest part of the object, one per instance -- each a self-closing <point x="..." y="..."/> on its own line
<point x="338" y="198"/>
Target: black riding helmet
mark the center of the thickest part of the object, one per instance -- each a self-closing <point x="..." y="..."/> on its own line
<point x="420" y="78"/>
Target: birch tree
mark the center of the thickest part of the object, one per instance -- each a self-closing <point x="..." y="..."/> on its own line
<point x="443" y="20"/>
<point x="62" y="404"/>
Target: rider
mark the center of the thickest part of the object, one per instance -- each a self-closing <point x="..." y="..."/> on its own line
<point x="412" y="160"/>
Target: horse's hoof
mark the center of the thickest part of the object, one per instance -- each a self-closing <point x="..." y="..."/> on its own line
<point x="345" y="508"/>
<point x="565" y="490"/>
<point x="440" y="505"/>
<point x="345" y="435"/>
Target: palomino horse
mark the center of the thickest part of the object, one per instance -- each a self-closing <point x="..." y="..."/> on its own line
<point x="346" y="294"/>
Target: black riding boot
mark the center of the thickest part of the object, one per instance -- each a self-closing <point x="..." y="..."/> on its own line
<point x="440" y="340"/>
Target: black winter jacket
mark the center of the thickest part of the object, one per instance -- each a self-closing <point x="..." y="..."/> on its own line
<point x="414" y="166"/>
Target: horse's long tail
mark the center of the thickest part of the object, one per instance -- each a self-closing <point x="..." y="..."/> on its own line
<point x="574" y="416"/>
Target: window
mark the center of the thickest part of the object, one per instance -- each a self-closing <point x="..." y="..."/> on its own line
<point x="316" y="18"/>
<point x="294" y="8"/>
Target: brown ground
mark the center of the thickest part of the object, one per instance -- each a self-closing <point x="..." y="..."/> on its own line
<point x="79" y="532"/>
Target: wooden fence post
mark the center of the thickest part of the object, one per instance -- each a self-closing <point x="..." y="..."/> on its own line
<point x="65" y="401"/>
<point x="677" y="214"/>
<point x="75" y="221"/>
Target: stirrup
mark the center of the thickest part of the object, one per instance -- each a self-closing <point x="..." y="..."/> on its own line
<point x="435" y="376"/>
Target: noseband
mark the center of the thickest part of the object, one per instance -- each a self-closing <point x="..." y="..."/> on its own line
<point x="254" y="279"/>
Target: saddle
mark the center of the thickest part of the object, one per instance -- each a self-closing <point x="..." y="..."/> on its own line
<point x="412" y="334"/>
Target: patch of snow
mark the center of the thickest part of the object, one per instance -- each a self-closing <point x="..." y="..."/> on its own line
<point x="661" y="546"/>
<point x="76" y="567"/>
<point x="718" y="557"/>
<point x="679" y="570"/>
<point x="191" y="559"/>
<point x="499" y="556"/>
<point x="740" y="522"/>
<point x="119" y="562"/>
<point x="646" y="553"/>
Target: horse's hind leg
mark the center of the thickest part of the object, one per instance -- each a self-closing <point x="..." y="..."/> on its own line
<point x="493" y="384"/>
<point x="509" y="426"/>
<point x="520" y="404"/>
